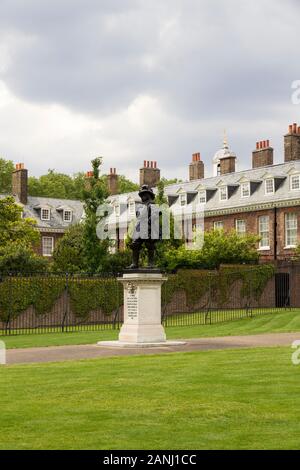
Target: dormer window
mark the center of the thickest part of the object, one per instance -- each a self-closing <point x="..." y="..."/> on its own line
<point x="182" y="199"/>
<point x="131" y="208"/>
<point x="45" y="213"/>
<point x="245" y="189"/>
<point x="67" y="216"/>
<point x="295" y="182"/>
<point x="202" y="197"/>
<point x="269" y="186"/>
<point x="117" y="210"/>
<point x="223" y="193"/>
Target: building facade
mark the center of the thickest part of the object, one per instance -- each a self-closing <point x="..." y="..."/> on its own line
<point x="264" y="200"/>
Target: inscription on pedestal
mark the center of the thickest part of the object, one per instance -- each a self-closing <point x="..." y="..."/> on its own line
<point x="132" y="302"/>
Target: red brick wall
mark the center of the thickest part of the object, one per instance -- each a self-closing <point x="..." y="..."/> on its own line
<point x="251" y="219"/>
<point x="56" y="236"/>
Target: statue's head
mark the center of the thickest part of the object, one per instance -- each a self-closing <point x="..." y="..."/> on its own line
<point x="146" y="194"/>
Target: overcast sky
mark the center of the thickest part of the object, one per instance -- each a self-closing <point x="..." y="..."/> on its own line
<point x="144" y="79"/>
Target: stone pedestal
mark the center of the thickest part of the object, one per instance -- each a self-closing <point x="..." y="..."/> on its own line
<point x="142" y="312"/>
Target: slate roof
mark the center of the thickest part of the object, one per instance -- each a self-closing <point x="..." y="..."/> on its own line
<point x="283" y="195"/>
<point x="31" y="209"/>
<point x="56" y="223"/>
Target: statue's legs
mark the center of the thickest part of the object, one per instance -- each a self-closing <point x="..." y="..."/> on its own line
<point x="136" y="248"/>
<point x="151" y="254"/>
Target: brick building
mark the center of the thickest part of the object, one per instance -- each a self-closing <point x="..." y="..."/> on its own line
<point x="264" y="200"/>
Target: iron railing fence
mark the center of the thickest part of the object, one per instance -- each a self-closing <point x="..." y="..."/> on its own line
<point x="47" y="303"/>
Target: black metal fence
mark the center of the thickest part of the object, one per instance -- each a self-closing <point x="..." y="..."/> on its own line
<point x="44" y="303"/>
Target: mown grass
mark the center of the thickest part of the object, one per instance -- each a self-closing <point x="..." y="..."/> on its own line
<point x="233" y="399"/>
<point x="286" y="321"/>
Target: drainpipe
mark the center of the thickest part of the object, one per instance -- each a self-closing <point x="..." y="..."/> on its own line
<point x="275" y="233"/>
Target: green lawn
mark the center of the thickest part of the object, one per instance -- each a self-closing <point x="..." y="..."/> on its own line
<point x="287" y="321"/>
<point x="240" y="399"/>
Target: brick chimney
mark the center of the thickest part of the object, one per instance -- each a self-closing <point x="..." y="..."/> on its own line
<point x="149" y="174"/>
<point x="87" y="182"/>
<point x="20" y="183"/>
<point x="196" y="167"/>
<point x="292" y="143"/>
<point x="263" y="155"/>
<point x="227" y="164"/>
<point x="112" y="181"/>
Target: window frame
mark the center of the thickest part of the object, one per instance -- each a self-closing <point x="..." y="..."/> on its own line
<point x="182" y="199"/>
<point x="248" y="189"/>
<point x="260" y="232"/>
<point x="222" y="188"/>
<point x="291" y="182"/>
<point x="49" y="212"/>
<point x="202" y="192"/>
<point x="130" y="205"/>
<point x="267" y="180"/>
<point x="52" y="246"/>
<point x="117" y="210"/>
<point x="287" y="230"/>
<point x="236" y="226"/>
<point x="220" y="222"/>
<point x="67" y="211"/>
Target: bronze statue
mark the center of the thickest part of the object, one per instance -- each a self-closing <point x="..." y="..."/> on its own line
<point x="146" y="232"/>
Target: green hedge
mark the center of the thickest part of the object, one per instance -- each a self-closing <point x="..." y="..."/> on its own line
<point x="195" y="283"/>
<point x="87" y="294"/>
<point x="19" y="293"/>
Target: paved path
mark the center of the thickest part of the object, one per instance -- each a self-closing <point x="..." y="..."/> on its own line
<point x="65" y="353"/>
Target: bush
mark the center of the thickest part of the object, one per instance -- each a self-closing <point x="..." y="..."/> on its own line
<point x="219" y="248"/>
<point x="20" y="258"/>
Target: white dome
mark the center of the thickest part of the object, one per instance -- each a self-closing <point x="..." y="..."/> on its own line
<point x="224" y="152"/>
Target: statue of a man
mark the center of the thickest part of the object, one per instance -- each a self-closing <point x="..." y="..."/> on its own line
<point x="146" y="232"/>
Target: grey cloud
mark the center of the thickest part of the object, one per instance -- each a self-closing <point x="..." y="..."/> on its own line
<point x="209" y="62"/>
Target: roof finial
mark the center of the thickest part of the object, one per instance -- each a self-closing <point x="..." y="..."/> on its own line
<point x="225" y="141"/>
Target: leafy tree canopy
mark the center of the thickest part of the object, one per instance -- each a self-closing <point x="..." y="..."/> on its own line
<point x="18" y="236"/>
<point x="6" y="169"/>
<point x="219" y="247"/>
<point x="13" y="228"/>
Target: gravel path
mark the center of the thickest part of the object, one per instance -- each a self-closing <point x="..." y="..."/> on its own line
<point x="65" y="353"/>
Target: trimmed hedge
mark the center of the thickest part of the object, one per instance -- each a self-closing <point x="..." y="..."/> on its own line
<point x="17" y="294"/>
<point x="196" y="283"/>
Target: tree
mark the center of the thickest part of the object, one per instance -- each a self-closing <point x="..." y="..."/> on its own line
<point x="126" y="186"/>
<point x="53" y="184"/>
<point x="6" y="170"/>
<point x="68" y="255"/>
<point x="59" y="185"/>
<point x="219" y="248"/>
<point x="94" y="195"/>
<point x="18" y="236"/>
<point x="168" y="244"/>
<point x="20" y="258"/>
<point x="13" y="228"/>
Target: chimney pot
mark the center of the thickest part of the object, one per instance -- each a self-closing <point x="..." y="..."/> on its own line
<point x="295" y="128"/>
<point x="20" y="183"/>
